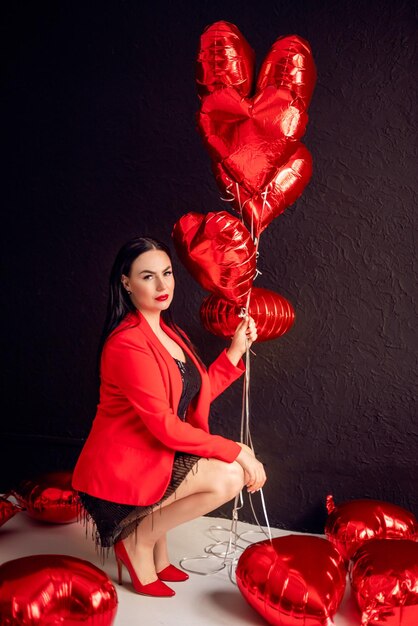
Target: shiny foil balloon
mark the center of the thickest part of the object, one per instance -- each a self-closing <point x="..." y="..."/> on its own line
<point x="289" y="64"/>
<point x="273" y="315"/>
<point x="384" y="580"/>
<point x="296" y="580"/>
<point x="219" y="253"/>
<point x="53" y="589"/>
<point x="260" y="208"/>
<point x="7" y="510"/>
<point x="225" y="59"/>
<point x="253" y="139"/>
<point x="350" y="524"/>
<point x="49" y="498"/>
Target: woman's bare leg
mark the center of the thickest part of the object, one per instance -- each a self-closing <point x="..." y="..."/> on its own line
<point x="161" y="558"/>
<point x="213" y="484"/>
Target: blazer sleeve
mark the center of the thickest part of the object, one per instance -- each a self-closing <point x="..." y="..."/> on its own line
<point x="133" y="369"/>
<point x="223" y="373"/>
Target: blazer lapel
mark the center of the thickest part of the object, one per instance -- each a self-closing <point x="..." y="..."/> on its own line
<point x="178" y="339"/>
<point x="171" y="365"/>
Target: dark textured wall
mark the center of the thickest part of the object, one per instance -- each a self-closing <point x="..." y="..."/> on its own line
<point x="101" y="145"/>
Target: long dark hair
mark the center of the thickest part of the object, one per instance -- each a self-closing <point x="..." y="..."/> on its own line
<point x="119" y="303"/>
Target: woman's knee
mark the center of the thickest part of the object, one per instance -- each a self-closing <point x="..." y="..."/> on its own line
<point x="212" y="475"/>
<point x="231" y="479"/>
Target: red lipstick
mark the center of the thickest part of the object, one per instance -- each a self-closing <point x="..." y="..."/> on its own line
<point x="162" y="298"/>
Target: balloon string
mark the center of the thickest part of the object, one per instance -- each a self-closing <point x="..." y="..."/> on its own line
<point x="232" y="196"/>
<point x="230" y="550"/>
<point x="239" y="202"/>
<point x="230" y="554"/>
<point x="248" y="439"/>
<point x="229" y="192"/>
<point x="252" y="230"/>
<point x="264" y="195"/>
<point x="237" y="197"/>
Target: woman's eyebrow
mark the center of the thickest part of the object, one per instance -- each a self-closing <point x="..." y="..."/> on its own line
<point x="150" y="272"/>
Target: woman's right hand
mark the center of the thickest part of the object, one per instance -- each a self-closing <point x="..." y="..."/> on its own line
<point x="255" y="476"/>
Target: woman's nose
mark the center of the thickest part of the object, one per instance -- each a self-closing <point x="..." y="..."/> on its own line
<point x="161" y="284"/>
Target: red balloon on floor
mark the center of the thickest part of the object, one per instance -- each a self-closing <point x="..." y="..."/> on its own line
<point x="49" y="589"/>
<point x="272" y="313"/>
<point x="49" y="498"/>
<point x="292" y="580"/>
<point x="384" y="580"/>
<point x="351" y="524"/>
<point x="219" y="253"/>
<point x="7" y="510"/>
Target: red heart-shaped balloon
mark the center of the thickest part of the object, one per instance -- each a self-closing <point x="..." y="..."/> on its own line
<point x="248" y="138"/>
<point x="260" y="208"/>
<point x="7" y="510"/>
<point x="352" y="524"/>
<point x="273" y="315"/>
<point x="52" y="589"/>
<point x="219" y="253"/>
<point x="384" y="581"/>
<point x="49" y="498"/>
<point x="253" y="138"/>
<point x="225" y="59"/>
<point x="292" y="580"/>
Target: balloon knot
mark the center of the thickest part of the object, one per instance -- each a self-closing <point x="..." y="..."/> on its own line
<point x="330" y="504"/>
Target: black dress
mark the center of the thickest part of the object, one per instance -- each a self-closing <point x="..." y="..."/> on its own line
<point x="113" y="521"/>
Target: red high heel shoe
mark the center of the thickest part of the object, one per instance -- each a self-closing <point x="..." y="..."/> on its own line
<point x="172" y="574"/>
<point x="157" y="588"/>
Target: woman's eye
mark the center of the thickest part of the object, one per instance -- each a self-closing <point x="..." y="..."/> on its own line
<point x="147" y="276"/>
<point x="169" y="272"/>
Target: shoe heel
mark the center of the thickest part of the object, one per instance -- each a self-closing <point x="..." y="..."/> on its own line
<point x="119" y="564"/>
<point x="156" y="588"/>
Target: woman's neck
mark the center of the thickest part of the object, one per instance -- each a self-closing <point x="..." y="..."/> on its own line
<point x="153" y="320"/>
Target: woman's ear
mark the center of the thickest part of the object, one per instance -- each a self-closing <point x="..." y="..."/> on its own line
<point x="125" y="281"/>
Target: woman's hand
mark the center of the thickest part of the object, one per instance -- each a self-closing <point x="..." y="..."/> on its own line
<point x="245" y="334"/>
<point x="255" y="476"/>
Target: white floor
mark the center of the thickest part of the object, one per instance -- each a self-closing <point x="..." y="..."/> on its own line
<point x="211" y="600"/>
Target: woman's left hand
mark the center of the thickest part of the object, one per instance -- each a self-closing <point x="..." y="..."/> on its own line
<point x="245" y="335"/>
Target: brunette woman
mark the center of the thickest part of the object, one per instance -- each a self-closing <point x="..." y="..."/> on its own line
<point x="150" y="448"/>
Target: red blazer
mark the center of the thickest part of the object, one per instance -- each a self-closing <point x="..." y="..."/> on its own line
<point x="128" y="455"/>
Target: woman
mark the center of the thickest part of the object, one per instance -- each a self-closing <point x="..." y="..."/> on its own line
<point x="150" y="446"/>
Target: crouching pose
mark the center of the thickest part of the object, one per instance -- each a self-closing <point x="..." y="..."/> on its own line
<point x="150" y="462"/>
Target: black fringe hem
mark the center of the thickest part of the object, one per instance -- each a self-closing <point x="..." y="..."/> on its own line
<point x="109" y="522"/>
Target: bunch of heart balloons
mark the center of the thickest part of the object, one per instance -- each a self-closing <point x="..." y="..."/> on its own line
<point x="301" y="579"/>
<point x="252" y="133"/>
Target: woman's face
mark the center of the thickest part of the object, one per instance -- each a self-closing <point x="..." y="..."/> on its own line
<point x="151" y="281"/>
